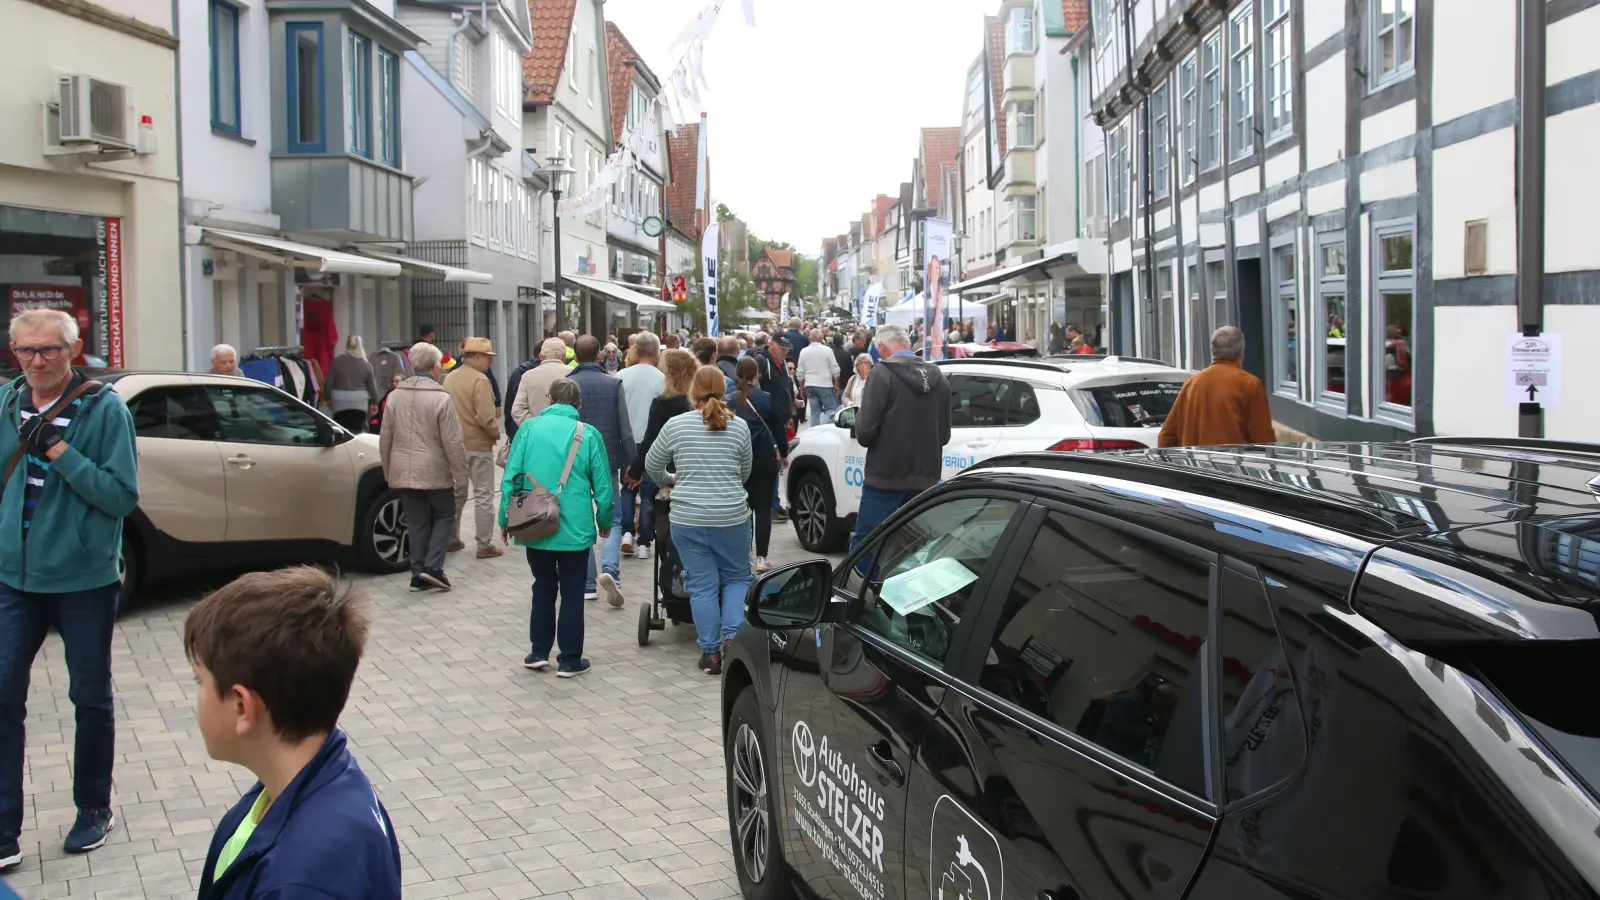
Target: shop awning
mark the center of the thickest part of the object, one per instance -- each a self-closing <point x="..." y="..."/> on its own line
<point x="757" y="315"/>
<point x="620" y="294"/>
<point x="1035" y="270"/>
<point x="291" y="254"/>
<point x="432" y="271"/>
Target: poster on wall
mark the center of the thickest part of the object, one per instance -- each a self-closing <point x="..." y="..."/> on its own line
<point x="936" y="254"/>
<point x="69" y="299"/>
<point x="108" y="288"/>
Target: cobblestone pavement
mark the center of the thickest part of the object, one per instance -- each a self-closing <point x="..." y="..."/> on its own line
<point x="502" y="783"/>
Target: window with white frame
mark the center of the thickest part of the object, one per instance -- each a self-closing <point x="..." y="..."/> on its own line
<point x="1330" y="316"/>
<point x="1217" y="287"/>
<point x="358" y="93"/>
<point x="1280" y="67"/>
<point x="1394" y="36"/>
<point x="595" y="161"/>
<point x="508" y="205"/>
<point x="1285" y="320"/>
<point x="466" y="74"/>
<point x="1025" y="218"/>
<point x="1211" y="102"/>
<point x="1188" y="118"/>
<point x="572" y="58"/>
<point x="1019" y="30"/>
<point x="1021" y="125"/>
<point x="1039" y="119"/>
<point x="1121" y="173"/>
<point x="1199" y="334"/>
<point x="491" y="204"/>
<point x="1166" y="316"/>
<point x="1394" y="316"/>
<point x="592" y="73"/>
<point x="475" y="199"/>
<point x="1161" y="141"/>
<point x="1241" y="82"/>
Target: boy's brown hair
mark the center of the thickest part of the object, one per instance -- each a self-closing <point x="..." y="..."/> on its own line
<point x="294" y="636"/>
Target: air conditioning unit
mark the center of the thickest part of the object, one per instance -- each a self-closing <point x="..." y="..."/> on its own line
<point x="94" y="111"/>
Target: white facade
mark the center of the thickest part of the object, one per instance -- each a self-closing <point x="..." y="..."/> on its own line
<point x="114" y="258"/>
<point x="977" y="198"/>
<point x="1360" y="230"/>
<point x="635" y="255"/>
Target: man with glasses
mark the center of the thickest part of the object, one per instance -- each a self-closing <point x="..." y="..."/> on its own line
<point x="70" y="477"/>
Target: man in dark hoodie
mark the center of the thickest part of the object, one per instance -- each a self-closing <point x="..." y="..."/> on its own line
<point x="904" y="423"/>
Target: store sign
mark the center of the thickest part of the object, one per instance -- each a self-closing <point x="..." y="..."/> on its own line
<point x="108" y="288"/>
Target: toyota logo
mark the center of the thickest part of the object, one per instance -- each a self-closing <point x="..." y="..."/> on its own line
<point x="805" y="754"/>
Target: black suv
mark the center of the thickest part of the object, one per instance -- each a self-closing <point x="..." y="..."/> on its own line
<point x="1241" y="673"/>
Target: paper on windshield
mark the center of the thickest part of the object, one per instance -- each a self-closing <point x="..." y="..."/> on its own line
<point x="910" y="591"/>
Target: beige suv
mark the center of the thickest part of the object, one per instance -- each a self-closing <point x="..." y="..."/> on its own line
<point x="236" y="473"/>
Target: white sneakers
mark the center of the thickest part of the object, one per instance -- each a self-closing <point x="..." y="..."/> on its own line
<point x="609" y="589"/>
<point x="643" y="552"/>
<point x="627" y="542"/>
<point x="761" y="564"/>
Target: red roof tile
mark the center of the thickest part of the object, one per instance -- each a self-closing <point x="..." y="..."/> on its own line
<point x="783" y="259"/>
<point x="880" y="212"/>
<point x="541" y="69"/>
<point x="940" y="147"/>
<point x="624" y="62"/>
<point x="679" y="195"/>
<point x="997" y="61"/>
<point x="1075" y="13"/>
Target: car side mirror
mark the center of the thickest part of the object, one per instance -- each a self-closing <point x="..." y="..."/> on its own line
<point x="846" y="417"/>
<point x="795" y="596"/>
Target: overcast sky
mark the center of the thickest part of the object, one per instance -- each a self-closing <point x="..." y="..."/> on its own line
<point x="817" y="109"/>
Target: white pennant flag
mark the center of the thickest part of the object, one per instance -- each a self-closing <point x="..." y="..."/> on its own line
<point x="749" y="13"/>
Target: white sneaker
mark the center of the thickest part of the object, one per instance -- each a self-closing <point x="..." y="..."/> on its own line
<point x="591" y="595"/>
<point x="609" y="589"/>
<point x="761" y="564"/>
<point x="643" y="552"/>
<point x="627" y="542"/>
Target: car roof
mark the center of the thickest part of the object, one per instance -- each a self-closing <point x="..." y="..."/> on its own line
<point x="1088" y="366"/>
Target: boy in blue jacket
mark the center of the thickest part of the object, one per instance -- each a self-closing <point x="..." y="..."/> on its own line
<point x="274" y="654"/>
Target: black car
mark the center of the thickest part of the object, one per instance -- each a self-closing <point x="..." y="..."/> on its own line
<point x="1242" y="673"/>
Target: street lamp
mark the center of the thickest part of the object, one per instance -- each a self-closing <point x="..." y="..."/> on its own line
<point x="559" y="173"/>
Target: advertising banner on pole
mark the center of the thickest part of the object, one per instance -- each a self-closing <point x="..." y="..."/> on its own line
<point x="870" y="301"/>
<point x="935" y="278"/>
<point x="708" y="255"/>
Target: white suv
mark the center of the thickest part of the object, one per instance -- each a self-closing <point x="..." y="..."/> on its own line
<point x="999" y="406"/>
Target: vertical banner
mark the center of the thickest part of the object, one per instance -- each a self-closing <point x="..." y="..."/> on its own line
<point x="108" y="291"/>
<point x="711" y="271"/>
<point x="869" y="305"/>
<point x="936" y="259"/>
<point x="783" y="308"/>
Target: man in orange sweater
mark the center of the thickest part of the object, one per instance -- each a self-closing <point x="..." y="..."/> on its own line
<point x="1223" y="404"/>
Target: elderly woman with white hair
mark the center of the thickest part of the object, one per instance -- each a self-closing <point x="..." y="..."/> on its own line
<point x="425" y="459"/>
<point x="352" y="387"/>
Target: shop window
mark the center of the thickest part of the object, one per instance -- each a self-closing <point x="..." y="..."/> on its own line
<point x="1394" y="316"/>
<point x="1102" y="634"/>
<point x="1332" y="310"/>
<point x="225" y="107"/>
<point x="1286" y="320"/>
<point x="358" y="93"/>
<point x="389" y="108"/>
<point x="1241" y="82"/>
<point x="305" y="77"/>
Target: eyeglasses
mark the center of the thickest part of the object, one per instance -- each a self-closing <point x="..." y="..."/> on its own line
<point x="26" y="354"/>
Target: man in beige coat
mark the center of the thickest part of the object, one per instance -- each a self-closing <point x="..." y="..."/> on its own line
<point x="470" y="391"/>
<point x="424" y="459"/>
<point x="533" y="391"/>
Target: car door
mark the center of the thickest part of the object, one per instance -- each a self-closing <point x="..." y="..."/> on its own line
<point x="182" y="488"/>
<point x="991" y="415"/>
<point x="285" y="480"/>
<point x="852" y="713"/>
<point x="1071" y="761"/>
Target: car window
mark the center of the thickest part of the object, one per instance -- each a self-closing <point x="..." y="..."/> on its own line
<point x="1137" y="404"/>
<point x="1101" y="634"/>
<point x="916" y="580"/>
<point x="983" y="401"/>
<point x="1263" y="728"/>
<point x="175" y="413"/>
<point x="263" y="416"/>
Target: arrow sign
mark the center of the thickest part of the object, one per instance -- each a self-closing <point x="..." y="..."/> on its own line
<point x="1533" y="369"/>
<point x="1533" y="393"/>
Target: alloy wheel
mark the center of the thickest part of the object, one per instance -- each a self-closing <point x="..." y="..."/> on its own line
<point x="750" y="802"/>
<point x="389" y="537"/>
<point x="812" y="513"/>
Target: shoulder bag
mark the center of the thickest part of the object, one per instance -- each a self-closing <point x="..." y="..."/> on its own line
<point x="534" y="512"/>
<point x="87" y="387"/>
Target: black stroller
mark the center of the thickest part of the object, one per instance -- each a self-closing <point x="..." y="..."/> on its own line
<point x="669" y="598"/>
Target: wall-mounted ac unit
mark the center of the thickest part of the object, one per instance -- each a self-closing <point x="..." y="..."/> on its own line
<point x="94" y="111"/>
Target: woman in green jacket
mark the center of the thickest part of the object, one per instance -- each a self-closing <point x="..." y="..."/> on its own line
<point x="560" y="561"/>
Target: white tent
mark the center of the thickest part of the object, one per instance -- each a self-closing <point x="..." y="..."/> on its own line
<point x="911" y="310"/>
<point x="904" y="312"/>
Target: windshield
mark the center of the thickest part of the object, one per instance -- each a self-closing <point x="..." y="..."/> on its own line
<point x="1141" y="404"/>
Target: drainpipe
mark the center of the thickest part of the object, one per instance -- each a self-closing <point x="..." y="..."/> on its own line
<point x="1148" y="156"/>
<point x="1077" y="153"/>
<point x="450" y="47"/>
<point x="183" y="247"/>
<point x="1530" y="190"/>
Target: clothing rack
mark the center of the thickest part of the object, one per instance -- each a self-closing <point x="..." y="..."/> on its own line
<point x="293" y="351"/>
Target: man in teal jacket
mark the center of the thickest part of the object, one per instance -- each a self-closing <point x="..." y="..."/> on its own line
<point x="560" y="562"/>
<point x="75" y="478"/>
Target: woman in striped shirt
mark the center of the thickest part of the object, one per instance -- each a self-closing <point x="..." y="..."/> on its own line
<point x="708" y="452"/>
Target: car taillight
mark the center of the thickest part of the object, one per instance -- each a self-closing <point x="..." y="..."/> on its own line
<point x="1094" y="444"/>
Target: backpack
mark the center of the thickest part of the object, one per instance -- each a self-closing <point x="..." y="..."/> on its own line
<point x="534" y="512"/>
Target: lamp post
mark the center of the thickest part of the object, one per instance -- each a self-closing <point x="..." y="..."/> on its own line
<point x="557" y="170"/>
<point x="956" y="241"/>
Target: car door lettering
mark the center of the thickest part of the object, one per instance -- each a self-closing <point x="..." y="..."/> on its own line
<point x="839" y="812"/>
<point x="964" y="857"/>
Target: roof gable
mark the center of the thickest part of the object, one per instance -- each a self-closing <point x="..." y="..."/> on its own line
<point x="552" y="29"/>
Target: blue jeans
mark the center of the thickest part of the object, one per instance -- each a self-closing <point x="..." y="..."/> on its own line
<point x="646" y="535"/>
<point x="877" y="505"/>
<point x="716" y="570"/>
<point x="85" y="620"/>
<point x="611" y="547"/>
<point x="821" y="401"/>
<point x="557" y="574"/>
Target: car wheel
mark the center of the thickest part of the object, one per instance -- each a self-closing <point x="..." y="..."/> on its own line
<point x="752" y="807"/>
<point x="811" y="511"/>
<point x="128" y="570"/>
<point x="382" y="543"/>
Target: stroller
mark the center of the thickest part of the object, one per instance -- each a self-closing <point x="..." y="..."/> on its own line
<point x="669" y="598"/>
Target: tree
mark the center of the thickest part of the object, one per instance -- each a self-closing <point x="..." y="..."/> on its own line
<point x="759" y="245"/>
<point x="805" y="276"/>
<point x="724" y="213"/>
<point x="735" y="292"/>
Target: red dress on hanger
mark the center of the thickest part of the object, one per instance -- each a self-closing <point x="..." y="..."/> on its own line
<point x="319" y="335"/>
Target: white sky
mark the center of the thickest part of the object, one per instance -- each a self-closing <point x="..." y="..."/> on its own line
<point x="817" y="109"/>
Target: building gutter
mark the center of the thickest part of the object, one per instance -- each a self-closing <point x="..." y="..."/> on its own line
<point x="183" y="247"/>
<point x="1530" y="160"/>
<point x="1077" y="152"/>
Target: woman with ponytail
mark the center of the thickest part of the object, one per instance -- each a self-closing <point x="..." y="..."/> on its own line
<point x="704" y="456"/>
